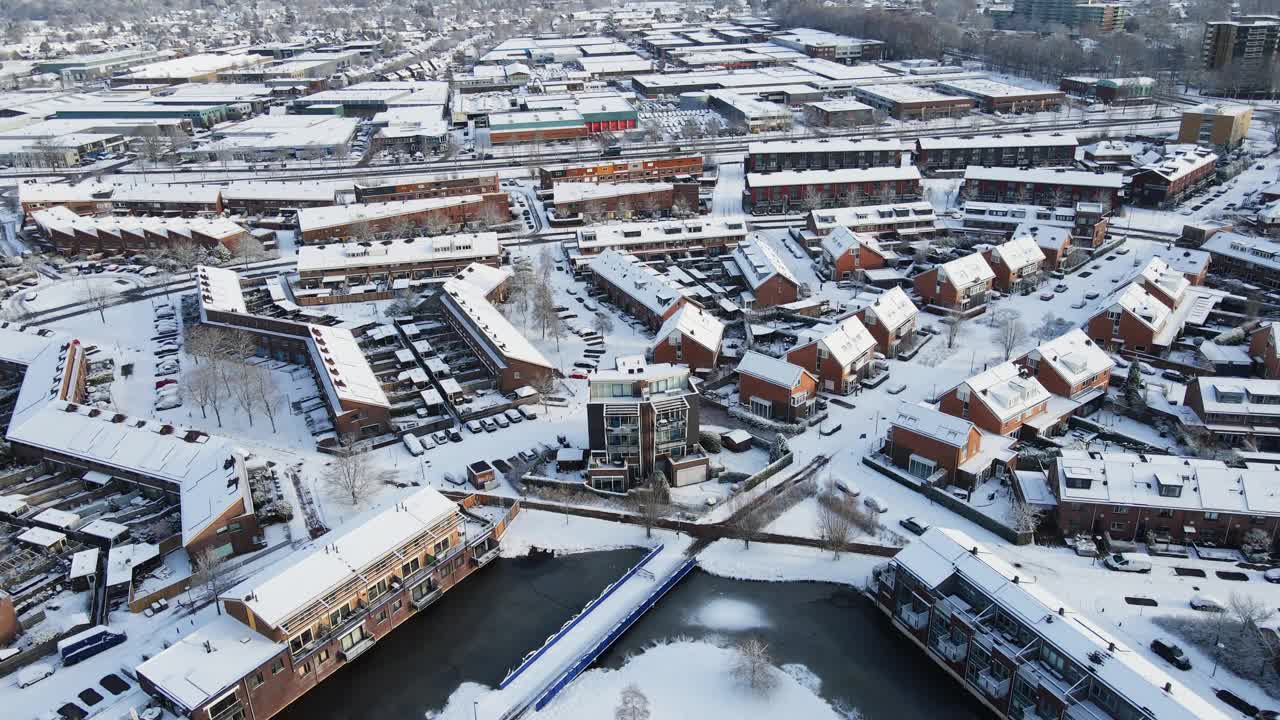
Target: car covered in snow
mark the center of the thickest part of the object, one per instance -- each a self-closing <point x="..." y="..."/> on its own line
<point x="1207" y="603"/>
<point x="474" y="426"/>
<point x="914" y="526"/>
<point x="513" y="416"/>
<point x="876" y="503"/>
<point x="1126" y="562"/>
<point x="34" y="673"/>
<point x="848" y="488"/>
<point x="1272" y="575"/>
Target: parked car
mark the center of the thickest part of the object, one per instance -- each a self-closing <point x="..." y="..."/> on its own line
<point x="489" y="425"/>
<point x="500" y="420"/>
<point x="1060" y="288"/>
<point x="848" y="488"/>
<point x="440" y="438"/>
<point x="1174" y="375"/>
<point x="1272" y="575"/>
<point x="875" y="503"/>
<point x="1171" y="653"/>
<point x="514" y="416"/>
<point x="1046" y="296"/>
<point x="1091" y="295"/>
<point x="412" y="444"/>
<point x="1146" y="369"/>
<point x="1207" y="603"/>
<point x="958" y="492"/>
<point x="455" y="435"/>
<point x="914" y="526"/>
<point x="34" y="673"/>
<point x="474" y="426"/>
<point x="1125" y="562"/>
<point x="528" y="412"/>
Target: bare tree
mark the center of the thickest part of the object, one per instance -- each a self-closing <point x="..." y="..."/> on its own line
<point x="812" y="199"/>
<point x="633" y="705"/>
<point x="361" y="231"/>
<point x="602" y="324"/>
<point x="546" y="387"/>
<point x="186" y="253"/>
<point x="753" y="666"/>
<point x="210" y="577"/>
<point x="491" y="216"/>
<point x="1025" y="518"/>
<point x="352" y="475"/>
<point x="648" y="508"/>
<point x="437" y="223"/>
<point x="248" y="249"/>
<point x="955" y="324"/>
<point x="264" y="386"/>
<point x="745" y="525"/>
<point x="544" y="311"/>
<point x="401" y="227"/>
<point x="1011" y="333"/>
<point x="1249" y="611"/>
<point x="201" y="385"/>
<point x="97" y="296"/>
<point x="835" y="529"/>
<point x="244" y="392"/>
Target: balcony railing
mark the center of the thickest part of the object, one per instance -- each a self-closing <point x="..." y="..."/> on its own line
<point x="995" y="689"/>
<point x="1026" y="712"/>
<point x="432" y="596"/>
<point x="953" y="651"/>
<point x="358" y="649"/>
<point x="913" y="619"/>
<point x="484" y="551"/>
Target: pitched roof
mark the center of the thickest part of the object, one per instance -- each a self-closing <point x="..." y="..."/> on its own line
<point x="771" y="370"/>
<point x="1135" y="300"/>
<point x="846" y="341"/>
<point x="932" y="423"/>
<point x="968" y="270"/>
<point x="696" y="324"/>
<point x="841" y="240"/>
<point x="1171" y="282"/>
<point x="1074" y="356"/>
<point x="639" y="281"/>
<point x="1006" y="391"/>
<point x="1019" y="252"/>
<point x="893" y="308"/>
<point x="759" y="262"/>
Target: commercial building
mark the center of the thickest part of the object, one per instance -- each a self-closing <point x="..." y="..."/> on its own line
<point x="275" y="137"/>
<point x="602" y="112"/>
<point x="72" y="234"/>
<point x="1167" y="182"/>
<point x="506" y="353"/>
<point x="840" y="356"/>
<point x="1242" y="53"/>
<point x="636" y="288"/>
<point x="1042" y="186"/>
<point x="959" y="286"/>
<point x="787" y="190"/>
<point x="1018" y="265"/>
<point x="690" y="337"/>
<point x="415" y="258"/>
<point x="891" y="320"/>
<point x="830" y="46"/>
<point x="768" y="280"/>
<point x="1025" y="150"/>
<point x="288" y="632"/>
<point x="618" y="170"/>
<point x="749" y="113"/>
<point x="710" y="237"/>
<point x="204" y="67"/>
<point x="1017" y="649"/>
<point x="643" y="419"/>
<point x="1171" y="499"/>
<point x="911" y="102"/>
<point x="426" y="186"/>
<point x="1215" y="124"/>
<point x="775" y="389"/>
<point x="598" y="201"/>
<point x="1121" y="91"/>
<point x="539" y="126"/>
<point x="1075" y="14"/>
<point x="658" y="84"/>
<point x="838" y="113"/>
<point x="998" y="97"/>
<point x="383" y="219"/>
<point x="823" y="154"/>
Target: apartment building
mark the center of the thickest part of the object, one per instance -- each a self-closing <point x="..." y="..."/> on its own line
<point x="840" y="356"/>
<point x="1243" y="53"/>
<point x="1254" y="260"/>
<point x="185" y="200"/>
<point x="72" y="234"/>
<point x="1264" y="350"/>
<point x="1219" y="125"/>
<point x="646" y="240"/>
<point x="81" y="199"/>
<point x="1237" y="411"/>
<point x="625" y="200"/>
<point x="959" y="286"/>
<point x="386" y="261"/>
<point x="383" y="219"/>
<point x="504" y="350"/>
<point x="1074" y="367"/>
<point x="1087" y="222"/>
<point x="1000" y="400"/>
<point x="775" y="389"/>
<point x="769" y="281"/>
<point x="891" y="320"/>
<point x="1017" y="649"/>
<point x="1042" y="186"/>
<point x="941" y="154"/>
<point x="300" y="625"/>
<point x="377" y="190"/>
<point x="788" y="190"/>
<point x="1018" y="265"/>
<point x="1135" y="321"/>
<point x="622" y="170"/>
<point x="643" y="419"/>
<point x="636" y="288"/>
<point x="692" y="336"/>
<point x="1175" y="177"/>
<point x="823" y="154"/>
<point x="845" y="254"/>
<point x="829" y="46"/>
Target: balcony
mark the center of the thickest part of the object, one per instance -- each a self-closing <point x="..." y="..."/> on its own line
<point x="430" y="597"/>
<point x="993" y="688"/>
<point x="484" y="551"/>
<point x="358" y="649"/>
<point x="952" y="651"/>
<point x="916" y="620"/>
<point x="1026" y="712"/>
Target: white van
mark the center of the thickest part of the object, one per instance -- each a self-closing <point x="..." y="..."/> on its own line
<point x="34" y="673"/>
<point x="412" y="444"/>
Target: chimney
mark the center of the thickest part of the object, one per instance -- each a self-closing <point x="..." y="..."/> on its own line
<point x="1015" y="579"/>
<point x="1062" y="612"/>
<point x="1168" y="687"/>
<point x="1111" y="646"/>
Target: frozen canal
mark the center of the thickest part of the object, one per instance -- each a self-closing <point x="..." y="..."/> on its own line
<point x="826" y="634"/>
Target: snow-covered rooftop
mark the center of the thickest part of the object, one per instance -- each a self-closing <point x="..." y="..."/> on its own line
<point x="842" y="240"/>
<point x="275" y="598"/>
<point x="1253" y="250"/>
<point x="347" y="369"/>
<point x="1171" y="282"/>
<point x="203" y="664"/>
<point x="869" y="216"/>
<point x="892" y="309"/>
<point x="1254" y="397"/>
<point x="642" y="233"/>
<point x="787" y="178"/>
<point x="998" y="141"/>
<point x="60" y="519"/>
<point x="220" y="289"/>
<point x="481" y="318"/>
<point x="759" y="263"/>
<point x="770" y="369"/>
<point x="1018" y="253"/>
<point x="1179" y="164"/>
<point x="987" y="88"/>
<point x="639" y="281"/>
<point x="969" y="270"/>
<point x="1074" y="356"/>
<point x="1046" y="176"/>
<point x="943" y="552"/>
<point x="567" y="192"/>
<point x="61" y="219"/>
<point x="319" y="218"/>
<point x="695" y="324"/>
<point x="1131" y="479"/>
<point x="932" y="423"/>
<point x="42" y="537"/>
<point x="485" y="278"/>
<point x="1051" y="237"/>
<point x="122" y="559"/>
<point x="825" y="145"/>
<point x="1135" y="300"/>
<point x="410" y="251"/>
<point x="845" y="341"/>
<point x="1006" y="391"/>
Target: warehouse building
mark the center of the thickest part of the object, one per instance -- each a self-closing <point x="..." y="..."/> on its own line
<point x="911" y="102"/>
<point x="998" y="97"/>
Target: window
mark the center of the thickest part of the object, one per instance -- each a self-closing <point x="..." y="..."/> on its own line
<point x="395" y="606"/>
<point x="442" y="545"/>
<point x="377" y="589"/>
<point x="382" y="615"/>
<point x="1117" y="526"/>
<point x="303" y="669"/>
<point x="227" y="707"/>
<point x="1211" y="516"/>
<point x="352" y="638"/>
<point x="277" y="666"/>
<point x="257" y="680"/>
<point x="301" y="641"/>
<point x="323" y="657"/>
<point x="410" y="567"/>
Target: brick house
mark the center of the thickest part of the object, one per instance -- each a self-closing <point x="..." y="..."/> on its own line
<point x="1042" y="186"/>
<point x="999" y="400"/>
<point x="503" y="350"/>
<point x="1017" y="265"/>
<point x="840" y="356"/>
<point x="1054" y="242"/>
<point x="959" y="286"/>
<point x="891" y="320"/>
<point x="1264" y="348"/>
<point x="935" y="154"/>
<point x="1135" y="321"/>
<point x="924" y="441"/>
<point x="776" y="389"/>
<point x="768" y="280"/>
<point x="636" y="288"/>
<point x="617" y="170"/>
<point x="1176" y="499"/>
<point x="429" y="186"/>
<point x="1166" y="182"/>
<point x="72" y="234"/>
<point x="1072" y="366"/>
<point x="599" y="201"/>
<point x="451" y="212"/>
<point x="1164" y="283"/>
<point x="1193" y="264"/>
<point x="1237" y="411"/>
<point x="691" y="336"/>
<point x="845" y="254"/>
<point x="823" y="154"/>
<point x="790" y="190"/>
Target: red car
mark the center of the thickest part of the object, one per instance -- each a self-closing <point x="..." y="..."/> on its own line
<point x="166" y="381"/>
